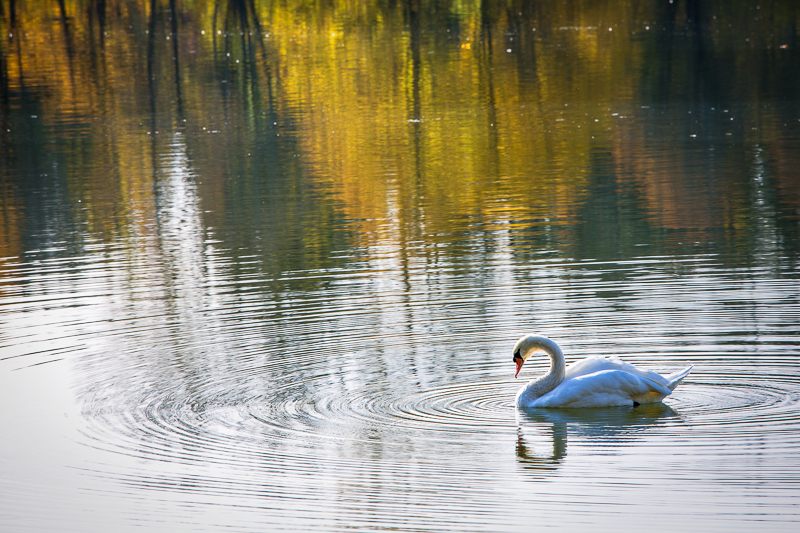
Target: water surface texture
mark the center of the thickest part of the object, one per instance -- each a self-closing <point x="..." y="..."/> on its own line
<point x="262" y="264"/>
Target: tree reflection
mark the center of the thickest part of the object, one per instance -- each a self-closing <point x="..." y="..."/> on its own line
<point x="586" y="127"/>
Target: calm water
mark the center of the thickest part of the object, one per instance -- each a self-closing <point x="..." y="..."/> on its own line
<point x="262" y="264"/>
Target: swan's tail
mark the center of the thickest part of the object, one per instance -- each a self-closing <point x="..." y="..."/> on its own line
<point x="676" y="377"/>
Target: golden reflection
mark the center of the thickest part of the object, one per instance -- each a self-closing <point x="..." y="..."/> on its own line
<point x="426" y="116"/>
<point x="11" y="221"/>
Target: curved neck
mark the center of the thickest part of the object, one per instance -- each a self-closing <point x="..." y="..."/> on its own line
<point x="558" y="366"/>
<point x="541" y="386"/>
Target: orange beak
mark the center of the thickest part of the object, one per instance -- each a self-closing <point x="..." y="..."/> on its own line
<point x="518" y="361"/>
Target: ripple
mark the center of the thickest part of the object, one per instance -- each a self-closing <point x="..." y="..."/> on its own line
<point x="358" y="397"/>
<point x="755" y="409"/>
<point x="153" y="423"/>
<point x="162" y="420"/>
<point x="454" y="408"/>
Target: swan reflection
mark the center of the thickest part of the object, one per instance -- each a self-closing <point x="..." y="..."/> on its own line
<point x="530" y="457"/>
<point x="542" y="434"/>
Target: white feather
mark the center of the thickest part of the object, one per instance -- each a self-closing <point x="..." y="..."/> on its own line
<point x="592" y="382"/>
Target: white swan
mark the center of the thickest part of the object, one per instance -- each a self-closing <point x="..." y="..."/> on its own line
<point x="593" y="382"/>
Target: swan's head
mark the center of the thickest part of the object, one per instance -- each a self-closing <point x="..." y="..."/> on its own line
<point x="529" y="345"/>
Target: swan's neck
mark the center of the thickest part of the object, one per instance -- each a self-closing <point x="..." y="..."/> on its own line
<point x="558" y="366"/>
<point x="541" y="386"/>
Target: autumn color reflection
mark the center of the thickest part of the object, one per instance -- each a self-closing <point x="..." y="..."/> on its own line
<point x="423" y="119"/>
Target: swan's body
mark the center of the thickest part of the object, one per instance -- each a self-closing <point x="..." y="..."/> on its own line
<point x="593" y="382"/>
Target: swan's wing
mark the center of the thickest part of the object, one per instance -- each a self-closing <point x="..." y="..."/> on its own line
<point x="591" y="365"/>
<point x="676" y="377"/>
<point x="603" y="389"/>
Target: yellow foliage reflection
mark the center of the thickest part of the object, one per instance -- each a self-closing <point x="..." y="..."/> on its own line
<point x="417" y="117"/>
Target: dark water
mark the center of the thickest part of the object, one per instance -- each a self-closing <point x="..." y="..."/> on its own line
<point x="262" y="264"/>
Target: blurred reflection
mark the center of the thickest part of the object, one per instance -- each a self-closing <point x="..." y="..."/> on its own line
<point x="584" y="127"/>
<point x="529" y="456"/>
<point x="542" y="434"/>
<point x="180" y="229"/>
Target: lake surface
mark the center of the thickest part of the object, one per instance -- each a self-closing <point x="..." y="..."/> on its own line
<point x="262" y="264"/>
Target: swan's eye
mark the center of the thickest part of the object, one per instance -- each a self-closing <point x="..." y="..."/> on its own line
<point x="517" y="356"/>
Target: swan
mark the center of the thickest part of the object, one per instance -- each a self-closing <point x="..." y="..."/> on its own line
<point x="593" y="382"/>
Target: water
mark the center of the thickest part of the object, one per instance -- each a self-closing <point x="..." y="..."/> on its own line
<point x="263" y="269"/>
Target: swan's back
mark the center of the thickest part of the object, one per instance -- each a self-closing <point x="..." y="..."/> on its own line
<point x="590" y="365"/>
<point x="606" y="382"/>
<point x="603" y="388"/>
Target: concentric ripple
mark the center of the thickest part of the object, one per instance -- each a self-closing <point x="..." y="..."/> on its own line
<point x="752" y="407"/>
<point x="453" y="408"/>
<point x="208" y="423"/>
<point x="432" y="414"/>
<point x="397" y="412"/>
